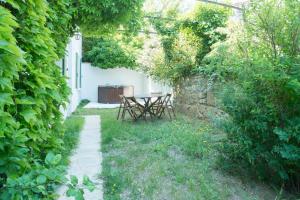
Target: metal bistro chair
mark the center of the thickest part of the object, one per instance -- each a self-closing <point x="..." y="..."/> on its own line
<point x="127" y="105"/>
<point x="166" y="105"/>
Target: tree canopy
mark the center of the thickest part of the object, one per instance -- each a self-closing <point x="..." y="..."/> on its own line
<point x="107" y="53"/>
<point x="186" y="40"/>
<point x="96" y="17"/>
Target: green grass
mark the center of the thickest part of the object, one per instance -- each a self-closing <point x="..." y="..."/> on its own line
<point x="166" y="159"/>
<point x="73" y="126"/>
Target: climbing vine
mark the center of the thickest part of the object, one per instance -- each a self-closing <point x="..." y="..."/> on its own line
<point x="33" y="37"/>
<point x="32" y="91"/>
<point x="202" y="27"/>
<point x="99" y="17"/>
<point x="186" y="40"/>
<point x="109" y="53"/>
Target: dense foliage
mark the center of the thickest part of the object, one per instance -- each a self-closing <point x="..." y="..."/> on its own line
<point x="186" y="40"/>
<point x="203" y="28"/>
<point x="32" y="90"/>
<point x="263" y="96"/>
<point x="33" y="37"/>
<point x="108" y="53"/>
<point x="94" y="16"/>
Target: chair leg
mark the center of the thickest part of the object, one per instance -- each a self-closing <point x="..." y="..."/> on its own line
<point x="133" y="115"/>
<point x="130" y="113"/>
<point x="173" y="111"/>
<point x="123" y="114"/>
<point x="162" y="111"/>
<point x="119" y="112"/>
<point x="168" y="109"/>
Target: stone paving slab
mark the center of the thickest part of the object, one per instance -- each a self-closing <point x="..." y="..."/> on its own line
<point x="87" y="159"/>
<point x="101" y="105"/>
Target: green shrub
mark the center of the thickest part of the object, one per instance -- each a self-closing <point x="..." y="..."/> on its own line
<point x="203" y="27"/>
<point x="263" y="96"/>
<point x="185" y="42"/>
<point x="33" y="37"/>
<point x="31" y="91"/>
<point x="99" y="17"/>
<point x="107" y="53"/>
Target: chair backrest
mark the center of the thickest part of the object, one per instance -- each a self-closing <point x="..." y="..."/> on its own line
<point x="129" y="101"/>
<point x="167" y="99"/>
<point x="122" y="99"/>
<point x="153" y="94"/>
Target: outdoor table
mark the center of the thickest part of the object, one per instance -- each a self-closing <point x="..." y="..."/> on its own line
<point x="149" y="102"/>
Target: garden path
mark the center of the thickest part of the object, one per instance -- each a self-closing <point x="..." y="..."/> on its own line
<point x="87" y="159"/>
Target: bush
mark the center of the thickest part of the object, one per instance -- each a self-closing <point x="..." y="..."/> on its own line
<point x="203" y="27"/>
<point x="100" y="17"/>
<point x="31" y="91"/>
<point x="185" y="42"/>
<point x="107" y="53"/>
<point x="263" y="98"/>
<point x="33" y="37"/>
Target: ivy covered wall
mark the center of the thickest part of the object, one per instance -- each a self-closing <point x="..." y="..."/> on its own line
<point x="33" y="37"/>
<point x="31" y="91"/>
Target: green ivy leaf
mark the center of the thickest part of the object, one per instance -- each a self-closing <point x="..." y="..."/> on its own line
<point x="5" y="98"/>
<point x="29" y="115"/>
<point x="76" y="193"/>
<point x="25" y="101"/>
<point x="74" y="180"/>
<point x="41" y="179"/>
<point x="71" y="192"/>
<point x="52" y="159"/>
<point x="88" y="183"/>
<point x="284" y="136"/>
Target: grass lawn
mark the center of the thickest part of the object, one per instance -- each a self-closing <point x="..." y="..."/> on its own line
<point x="73" y="126"/>
<point x="166" y="159"/>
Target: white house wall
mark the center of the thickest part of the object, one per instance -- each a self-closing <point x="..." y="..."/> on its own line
<point x="74" y="46"/>
<point x="92" y="77"/>
<point x="155" y="86"/>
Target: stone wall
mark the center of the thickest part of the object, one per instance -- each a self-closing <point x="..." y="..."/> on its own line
<point x="195" y="96"/>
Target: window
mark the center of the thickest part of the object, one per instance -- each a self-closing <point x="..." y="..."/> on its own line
<point x="76" y="70"/>
<point x="80" y="73"/>
<point x="63" y="66"/>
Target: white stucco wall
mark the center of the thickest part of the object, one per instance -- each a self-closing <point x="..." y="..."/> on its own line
<point x="74" y="46"/>
<point x="155" y="86"/>
<point x="94" y="76"/>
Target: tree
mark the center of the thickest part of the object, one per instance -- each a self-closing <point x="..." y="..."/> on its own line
<point x="186" y="40"/>
<point x="96" y="17"/>
<point x="263" y="96"/>
<point x="107" y="53"/>
<point x="203" y="25"/>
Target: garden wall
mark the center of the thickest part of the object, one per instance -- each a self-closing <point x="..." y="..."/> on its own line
<point x="74" y="47"/>
<point x="195" y="96"/>
<point x="92" y="77"/>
